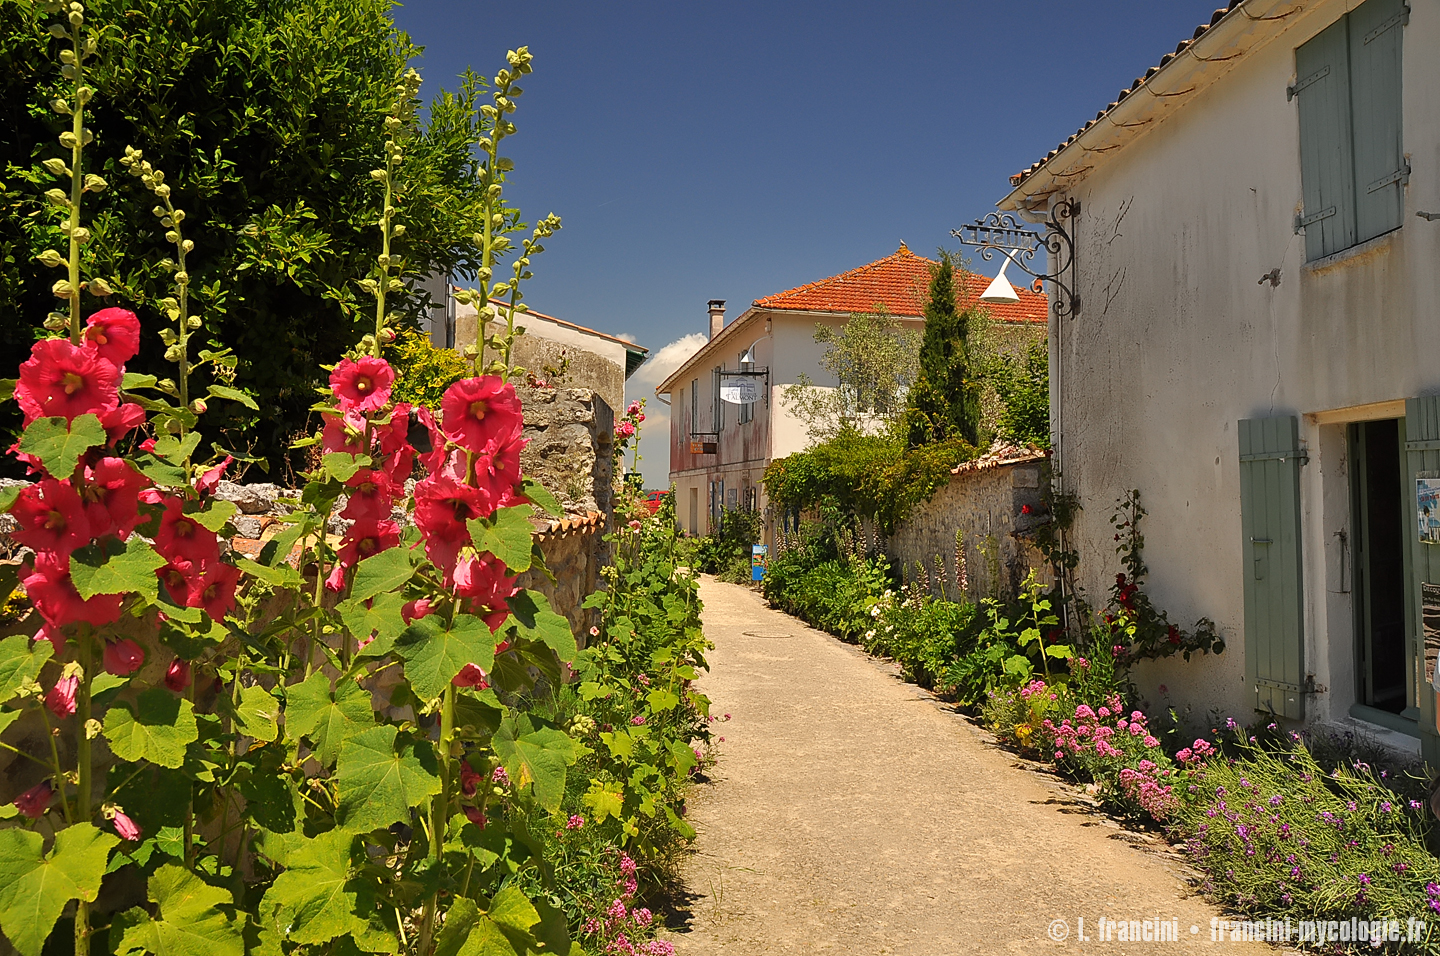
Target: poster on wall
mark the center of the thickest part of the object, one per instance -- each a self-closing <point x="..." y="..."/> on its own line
<point x="760" y="557"/>
<point x="1430" y="625"/>
<point x="1427" y="506"/>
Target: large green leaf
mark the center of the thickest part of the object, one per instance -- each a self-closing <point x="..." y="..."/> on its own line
<point x="342" y="465"/>
<point x="280" y="576"/>
<point x="382" y="619"/>
<point x="116" y="568"/>
<point x="380" y="573"/>
<point x="378" y="783"/>
<point x="59" y="444"/>
<point x="312" y="711"/>
<point x="535" y="755"/>
<point x="8" y="496"/>
<point x="158" y="729"/>
<point x="215" y="516"/>
<point x="537" y="621"/>
<point x="541" y="498"/>
<point x="20" y="663"/>
<point x="258" y="713"/>
<point x="505" y="930"/>
<point x="188" y="921"/>
<point x="506" y="534"/>
<point x="314" y="900"/>
<point x="177" y="450"/>
<point x="34" y="888"/>
<point x="234" y="395"/>
<point x="160" y="471"/>
<point x="435" y="655"/>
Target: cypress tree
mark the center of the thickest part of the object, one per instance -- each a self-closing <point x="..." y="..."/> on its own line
<point x="945" y="402"/>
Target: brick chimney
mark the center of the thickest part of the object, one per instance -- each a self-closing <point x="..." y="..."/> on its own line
<point x="717" y="316"/>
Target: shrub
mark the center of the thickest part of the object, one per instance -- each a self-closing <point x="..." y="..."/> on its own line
<point x="922" y="634"/>
<point x="725" y="551"/>
<point x="422" y="371"/>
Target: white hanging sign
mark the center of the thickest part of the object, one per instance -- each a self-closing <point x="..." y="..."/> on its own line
<point x="740" y="389"/>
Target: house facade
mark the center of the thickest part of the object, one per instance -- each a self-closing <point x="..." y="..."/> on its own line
<point x="718" y="450"/>
<point x="1257" y="350"/>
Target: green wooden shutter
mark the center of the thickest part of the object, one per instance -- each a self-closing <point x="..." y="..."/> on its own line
<point x="1270" y="459"/>
<point x="1376" y="30"/>
<point x="1327" y="174"/>
<point x="1422" y="455"/>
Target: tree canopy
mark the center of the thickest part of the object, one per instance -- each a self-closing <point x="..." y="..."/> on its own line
<point x="945" y="402"/>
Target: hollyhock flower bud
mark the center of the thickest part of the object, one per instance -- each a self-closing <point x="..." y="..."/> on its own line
<point x="177" y="675"/>
<point x="60" y="379"/>
<point x="363" y="385"/>
<point x="51" y="517"/>
<point x="121" y="421"/>
<point x="474" y="815"/>
<point x="125" y="827"/>
<point x="34" y="802"/>
<point x="60" y="701"/>
<point x="479" y="412"/>
<point x="469" y="780"/>
<point x="123" y="657"/>
<point x="413" y="611"/>
<point x="114" y="334"/>
<point x="470" y="676"/>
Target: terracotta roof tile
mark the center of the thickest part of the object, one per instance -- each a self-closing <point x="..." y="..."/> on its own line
<point x="584" y="523"/>
<point x="898" y="282"/>
<point x="1001" y="454"/>
<point x="1200" y="31"/>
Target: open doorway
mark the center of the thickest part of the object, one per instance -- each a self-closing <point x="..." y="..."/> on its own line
<point x="1378" y="524"/>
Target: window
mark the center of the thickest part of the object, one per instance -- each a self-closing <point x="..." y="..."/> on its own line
<point x="1352" y="160"/>
<point x="694" y="406"/>
<point x="719" y="406"/>
<point x="747" y="411"/>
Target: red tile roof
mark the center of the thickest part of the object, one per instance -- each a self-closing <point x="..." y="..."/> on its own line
<point x="898" y="282"/>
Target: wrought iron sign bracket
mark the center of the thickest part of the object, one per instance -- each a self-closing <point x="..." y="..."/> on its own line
<point x="1001" y="232"/>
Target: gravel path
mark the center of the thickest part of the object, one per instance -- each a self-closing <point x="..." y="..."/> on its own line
<point x="852" y="813"/>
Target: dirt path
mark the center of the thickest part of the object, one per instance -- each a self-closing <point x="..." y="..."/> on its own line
<point x="851" y="813"/>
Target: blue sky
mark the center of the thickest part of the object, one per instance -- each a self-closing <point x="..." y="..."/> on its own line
<point x="730" y="150"/>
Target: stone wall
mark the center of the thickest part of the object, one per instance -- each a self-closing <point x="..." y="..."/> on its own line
<point x="992" y="502"/>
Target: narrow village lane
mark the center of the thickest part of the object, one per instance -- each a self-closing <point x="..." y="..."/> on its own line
<point x="851" y="813"/>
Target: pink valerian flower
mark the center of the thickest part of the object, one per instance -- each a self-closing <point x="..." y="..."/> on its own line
<point x="123" y="657"/>
<point x="177" y="675"/>
<point x="210" y="480"/>
<point x="575" y="822"/>
<point x="630" y="887"/>
<point x="499" y="777"/>
<point x="657" y="947"/>
<point x="34" y="802"/>
<point x="114" y="334"/>
<point x="469" y="780"/>
<point x="126" y="827"/>
<point x="362" y="385"/>
<point x="60" y="379"/>
<point x="591" y="927"/>
<point x="111" y="492"/>
<point x="627" y="865"/>
<point x="471" y="676"/>
<point x="60" y="700"/>
<point x="480" y="413"/>
<point x="50" y="590"/>
<point x="51" y="518"/>
<point x="617" y="910"/>
<point x="638" y="720"/>
<point x="642" y="916"/>
<point x="372" y="496"/>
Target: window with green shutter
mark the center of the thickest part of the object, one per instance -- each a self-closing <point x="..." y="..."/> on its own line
<point x="1270" y="460"/>
<point x="1352" y="160"/>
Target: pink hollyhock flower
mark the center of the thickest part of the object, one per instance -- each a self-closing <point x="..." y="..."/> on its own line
<point x="121" y="421"/>
<point x="177" y="675"/>
<point x="363" y="385"/>
<point x="625" y="429"/>
<point x="343" y="432"/>
<point x="51" y="518"/>
<point x="372" y="495"/>
<point x="412" y="611"/>
<point x="215" y="590"/>
<point x="114" y="334"/>
<point x="182" y="538"/>
<point x="180" y="579"/>
<point x="479" y="412"/>
<point x="50" y="589"/>
<point x="434" y="457"/>
<point x="208" y="482"/>
<point x="60" y="379"/>
<point x="126" y="827"/>
<point x="470" y="676"/>
<point x="366" y="538"/>
<point x="60" y="700"/>
<point x="474" y="815"/>
<point x="482" y="579"/>
<point x="123" y="657"/>
<point x="53" y="634"/>
<point x="34" y="802"/>
<point x="469" y="780"/>
<point x="442" y="506"/>
<point x="112" y="497"/>
<point x="501" y="466"/>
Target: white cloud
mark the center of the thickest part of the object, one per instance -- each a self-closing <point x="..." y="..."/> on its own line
<point x="655" y="434"/>
<point x="626" y="337"/>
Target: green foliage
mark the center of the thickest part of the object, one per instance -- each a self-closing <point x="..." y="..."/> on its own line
<point x="266" y="118"/>
<point x="944" y="403"/>
<point x="872" y="360"/>
<point x="191" y="918"/>
<point x="59" y="443"/>
<point x="1023" y="386"/>
<point x="726" y="549"/>
<point x="36" y="885"/>
<point x="422" y="371"/>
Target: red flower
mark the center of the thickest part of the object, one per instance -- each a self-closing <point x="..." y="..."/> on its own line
<point x="470" y="676"/>
<point x="180" y="579"/>
<point x="215" y="590"/>
<point x="126" y="827"/>
<point x="60" y="379"/>
<point x="53" y="593"/>
<point x="177" y="675"/>
<point x="477" y="413"/>
<point x="123" y="657"/>
<point x="435" y="457"/>
<point x="362" y="540"/>
<point x="500" y="468"/>
<point x="207" y="483"/>
<point x="53" y="634"/>
<point x="34" y="802"/>
<point x="60" y="701"/>
<point x="114" y="334"/>
<point x="442" y="506"/>
<point x="469" y="780"/>
<point x="413" y="611"/>
<point x="112" y="497"/>
<point x="364" y="385"/>
<point x="121" y="420"/>
<point x="482" y="579"/>
<point x="182" y="538"/>
<point x="474" y="815"/>
<point x="343" y="432"/>
<point x="51" y="517"/>
<point x="371" y="495"/>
